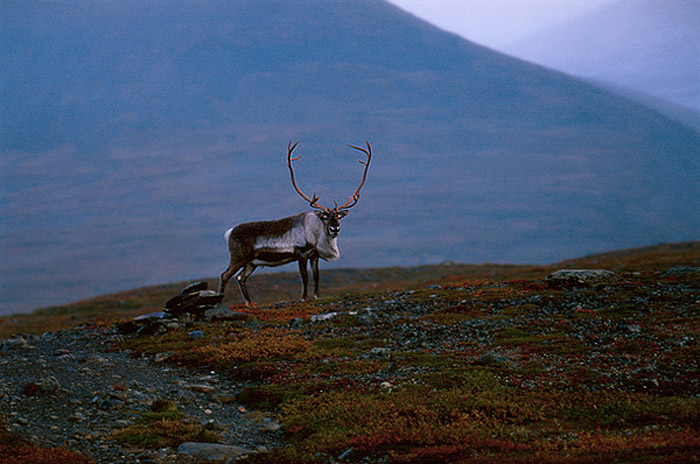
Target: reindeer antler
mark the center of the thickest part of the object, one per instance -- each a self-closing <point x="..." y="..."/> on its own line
<point x="356" y="196"/>
<point x="312" y="201"/>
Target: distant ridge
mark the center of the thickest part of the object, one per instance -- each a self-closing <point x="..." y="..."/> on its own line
<point x="651" y="46"/>
<point x="278" y="286"/>
<point x="647" y="257"/>
<point x="135" y="133"/>
<point x="680" y="113"/>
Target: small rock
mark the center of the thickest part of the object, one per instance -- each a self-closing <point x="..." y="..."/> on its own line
<point x="110" y="403"/>
<point x="323" y="317"/>
<point x="380" y="353"/>
<point x="196" y="334"/>
<point x="368" y="317"/>
<point x="225" y="398"/>
<point x="96" y="359"/>
<point x="269" y="425"/>
<point x="160" y="357"/>
<point x="202" y="388"/>
<point x="155" y="327"/>
<point x="149" y="317"/>
<point x="212" y="424"/>
<point x="344" y="454"/>
<point x="50" y="385"/>
<point x="634" y="328"/>
<point x="492" y="359"/>
<point x="15" y="343"/>
<point x="186" y="396"/>
<point x="212" y="451"/>
<point x="77" y="416"/>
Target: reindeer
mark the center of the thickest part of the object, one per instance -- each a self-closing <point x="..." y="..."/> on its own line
<point x="304" y="237"/>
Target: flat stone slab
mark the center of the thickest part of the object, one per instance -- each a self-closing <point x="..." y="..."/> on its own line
<point x="194" y="287"/>
<point x="584" y="277"/>
<point x="223" y="313"/>
<point x="212" y="451"/>
<point x="196" y="302"/>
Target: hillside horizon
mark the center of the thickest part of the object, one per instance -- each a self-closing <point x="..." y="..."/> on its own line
<point x="283" y="285"/>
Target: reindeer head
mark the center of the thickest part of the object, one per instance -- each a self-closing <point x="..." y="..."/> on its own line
<point x="331" y="221"/>
<point x="330" y="217"/>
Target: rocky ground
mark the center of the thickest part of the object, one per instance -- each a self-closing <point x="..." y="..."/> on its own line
<point x="592" y="334"/>
<point x="69" y="389"/>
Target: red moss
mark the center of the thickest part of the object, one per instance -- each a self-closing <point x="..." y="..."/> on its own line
<point x="15" y="450"/>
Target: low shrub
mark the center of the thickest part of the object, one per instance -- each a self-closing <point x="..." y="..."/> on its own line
<point x="15" y="450"/>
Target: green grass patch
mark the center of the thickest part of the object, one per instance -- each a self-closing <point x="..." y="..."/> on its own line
<point x="425" y="359"/>
<point x="164" y="426"/>
<point x="267" y="397"/>
<point x="351" y="345"/>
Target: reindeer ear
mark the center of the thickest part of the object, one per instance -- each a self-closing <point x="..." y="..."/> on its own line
<point x="342" y="214"/>
<point x="322" y="215"/>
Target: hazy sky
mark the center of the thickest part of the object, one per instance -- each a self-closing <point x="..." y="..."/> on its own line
<point x="496" y="22"/>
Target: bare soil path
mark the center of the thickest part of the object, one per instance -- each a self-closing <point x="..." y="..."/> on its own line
<point x="68" y="389"/>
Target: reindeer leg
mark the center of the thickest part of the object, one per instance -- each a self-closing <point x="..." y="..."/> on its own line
<point x="314" y="268"/>
<point x="232" y="268"/>
<point x="304" y="278"/>
<point x="241" y="278"/>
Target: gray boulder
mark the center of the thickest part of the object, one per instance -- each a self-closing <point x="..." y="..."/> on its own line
<point x="195" y="302"/>
<point x="146" y="324"/>
<point x="212" y="451"/>
<point x="682" y="271"/>
<point x="223" y="313"/>
<point x="580" y="277"/>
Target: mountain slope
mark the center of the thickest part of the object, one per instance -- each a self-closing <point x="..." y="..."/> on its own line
<point x="134" y="134"/>
<point x="652" y="46"/>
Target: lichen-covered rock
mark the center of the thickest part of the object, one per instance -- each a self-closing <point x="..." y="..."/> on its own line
<point x="223" y="313"/>
<point x="212" y="451"/>
<point x="681" y="271"/>
<point x="579" y="277"/>
<point x="15" y="343"/>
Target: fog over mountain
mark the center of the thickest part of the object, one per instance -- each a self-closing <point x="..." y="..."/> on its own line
<point x="652" y="46"/>
<point x="134" y="133"/>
